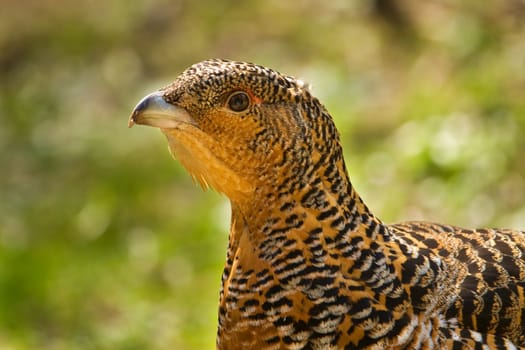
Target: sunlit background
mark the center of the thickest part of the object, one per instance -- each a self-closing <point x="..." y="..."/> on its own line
<point x="105" y="242"/>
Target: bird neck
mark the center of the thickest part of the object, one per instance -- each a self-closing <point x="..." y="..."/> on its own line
<point x="324" y="213"/>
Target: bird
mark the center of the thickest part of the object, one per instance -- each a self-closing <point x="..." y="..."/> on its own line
<point x="308" y="265"/>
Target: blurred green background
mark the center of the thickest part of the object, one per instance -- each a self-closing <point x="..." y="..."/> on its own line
<point x="105" y="242"/>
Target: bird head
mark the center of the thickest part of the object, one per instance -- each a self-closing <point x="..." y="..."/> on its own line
<point x="239" y="127"/>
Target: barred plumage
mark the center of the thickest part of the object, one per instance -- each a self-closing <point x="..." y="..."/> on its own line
<point x="308" y="265"/>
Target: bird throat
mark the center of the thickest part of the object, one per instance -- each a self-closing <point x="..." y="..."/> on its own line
<point x="199" y="155"/>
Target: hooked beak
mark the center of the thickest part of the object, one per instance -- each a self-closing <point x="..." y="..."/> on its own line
<point x="154" y="111"/>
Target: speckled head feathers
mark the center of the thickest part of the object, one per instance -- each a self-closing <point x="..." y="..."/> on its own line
<point x="279" y="132"/>
<point x="211" y="78"/>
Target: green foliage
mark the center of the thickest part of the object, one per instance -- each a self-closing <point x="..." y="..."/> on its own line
<point x="105" y="243"/>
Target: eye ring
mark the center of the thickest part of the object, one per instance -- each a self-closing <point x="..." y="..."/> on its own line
<point x="238" y="101"/>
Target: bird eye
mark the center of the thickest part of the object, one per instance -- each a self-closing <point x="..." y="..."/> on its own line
<point x="238" y="101"/>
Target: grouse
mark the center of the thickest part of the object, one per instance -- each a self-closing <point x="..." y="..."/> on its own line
<point x="308" y="265"/>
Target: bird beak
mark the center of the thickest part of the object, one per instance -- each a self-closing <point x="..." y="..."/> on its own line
<point x="154" y="111"/>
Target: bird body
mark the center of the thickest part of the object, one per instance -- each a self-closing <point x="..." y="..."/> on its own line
<point x="308" y="265"/>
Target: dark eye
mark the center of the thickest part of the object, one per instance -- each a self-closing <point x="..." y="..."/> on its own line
<point x="238" y="101"/>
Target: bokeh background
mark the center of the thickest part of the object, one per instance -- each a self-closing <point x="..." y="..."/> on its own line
<point x="105" y="242"/>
